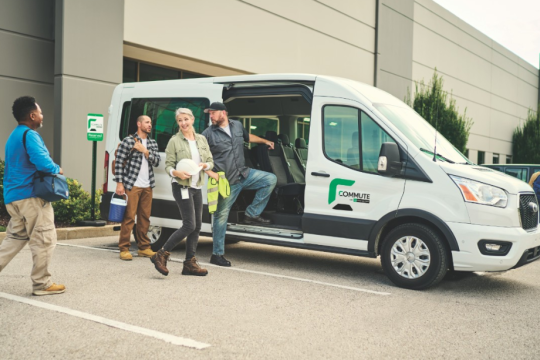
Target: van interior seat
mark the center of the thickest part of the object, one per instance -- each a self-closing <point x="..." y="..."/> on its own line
<point x="295" y="166"/>
<point x="301" y="150"/>
<point x="273" y="161"/>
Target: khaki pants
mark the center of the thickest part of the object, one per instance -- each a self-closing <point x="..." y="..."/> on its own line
<point x="32" y="223"/>
<point x="140" y="204"/>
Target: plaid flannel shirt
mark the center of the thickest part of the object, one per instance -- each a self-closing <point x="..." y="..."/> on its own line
<point x="128" y="174"/>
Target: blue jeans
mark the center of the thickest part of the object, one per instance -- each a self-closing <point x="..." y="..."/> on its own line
<point x="262" y="181"/>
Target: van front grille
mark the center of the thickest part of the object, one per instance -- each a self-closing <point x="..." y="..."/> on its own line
<point x="528" y="211"/>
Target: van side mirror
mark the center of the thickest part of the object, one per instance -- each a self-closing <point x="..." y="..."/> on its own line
<point x="389" y="163"/>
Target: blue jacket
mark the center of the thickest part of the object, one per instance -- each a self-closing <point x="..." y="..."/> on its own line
<point x="536" y="187"/>
<point x="21" y="164"/>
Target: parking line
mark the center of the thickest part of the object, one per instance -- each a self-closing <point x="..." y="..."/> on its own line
<point x="175" y="340"/>
<point x="255" y="272"/>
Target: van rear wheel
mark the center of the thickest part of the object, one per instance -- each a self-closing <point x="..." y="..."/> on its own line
<point x="414" y="256"/>
<point x="158" y="235"/>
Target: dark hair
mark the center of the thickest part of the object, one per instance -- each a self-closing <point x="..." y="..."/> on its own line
<point x="23" y="106"/>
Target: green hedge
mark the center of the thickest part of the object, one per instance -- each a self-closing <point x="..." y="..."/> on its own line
<point x="77" y="207"/>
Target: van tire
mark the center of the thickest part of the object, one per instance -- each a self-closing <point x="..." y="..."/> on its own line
<point x="158" y="235"/>
<point x="428" y="246"/>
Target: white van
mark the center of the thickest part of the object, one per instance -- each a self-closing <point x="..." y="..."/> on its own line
<point x="360" y="177"/>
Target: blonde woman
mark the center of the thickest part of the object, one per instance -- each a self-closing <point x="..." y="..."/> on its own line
<point x="186" y="189"/>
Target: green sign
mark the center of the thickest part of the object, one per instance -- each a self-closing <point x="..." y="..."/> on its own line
<point x="94" y="127"/>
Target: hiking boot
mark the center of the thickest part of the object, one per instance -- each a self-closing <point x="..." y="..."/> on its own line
<point x="51" y="290"/>
<point x="146" y="253"/>
<point x="160" y="261"/>
<point x="126" y="255"/>
<point x="191" y="267"/>
<point x="219" y="260"/>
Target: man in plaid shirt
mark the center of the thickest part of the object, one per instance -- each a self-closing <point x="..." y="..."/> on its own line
<point x="134" y="175"/>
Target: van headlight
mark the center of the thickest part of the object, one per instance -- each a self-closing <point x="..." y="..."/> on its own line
<point x="480" y="193"/>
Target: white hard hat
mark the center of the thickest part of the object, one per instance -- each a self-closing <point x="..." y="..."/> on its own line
<point x="188" y="166"/>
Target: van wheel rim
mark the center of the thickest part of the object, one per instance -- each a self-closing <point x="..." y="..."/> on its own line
<point x="154" y="233"/>
<point x="410" y="257"/>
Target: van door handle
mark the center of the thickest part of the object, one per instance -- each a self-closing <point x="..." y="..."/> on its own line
<point x="321" y="173"/>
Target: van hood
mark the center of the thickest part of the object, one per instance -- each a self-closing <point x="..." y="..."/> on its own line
<point x="487" y="176"/>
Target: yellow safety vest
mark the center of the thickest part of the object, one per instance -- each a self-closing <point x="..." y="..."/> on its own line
<point x="215" y="188"/>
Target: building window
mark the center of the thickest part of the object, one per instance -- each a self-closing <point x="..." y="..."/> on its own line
<point x="134" y="71"/>
<point x="495" y="158"/>
<point x="508" y="159"/>
<point x="481" y="157"/>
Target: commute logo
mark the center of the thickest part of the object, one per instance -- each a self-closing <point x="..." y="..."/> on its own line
<point x="333" y="187"/>
<point x="352" y="196"/>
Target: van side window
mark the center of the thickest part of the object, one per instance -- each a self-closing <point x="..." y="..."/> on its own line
<point x="341" y="137"/>
<point x="162" y="113"/>
<point x="124" y="119"/>
<point x="352" y="138"/>
<point x="372" y="139"/>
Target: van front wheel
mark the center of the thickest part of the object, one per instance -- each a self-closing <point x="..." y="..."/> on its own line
<point x="414" y="256"/>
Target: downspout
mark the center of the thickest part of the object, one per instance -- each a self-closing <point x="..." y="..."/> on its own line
<point x="376" y="53"/>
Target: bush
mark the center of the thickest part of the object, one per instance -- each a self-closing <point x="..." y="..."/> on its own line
<point x="526" y="140"/>
<point x="77" y="207"/>
<point x="433" y="104"/>
<point x="3" y="210"/>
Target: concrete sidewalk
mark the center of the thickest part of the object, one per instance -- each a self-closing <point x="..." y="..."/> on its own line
<point x="71" y="233"/>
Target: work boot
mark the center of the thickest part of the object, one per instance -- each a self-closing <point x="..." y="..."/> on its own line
<point x="219" y="260"/>
<point x="191" y="267"/>
<point x="258" y="220"/>
<point x="125" y="255"/>
<point x="146" y="253"/>
<point x="51" y="290"/>
<point x="159" y="260"/>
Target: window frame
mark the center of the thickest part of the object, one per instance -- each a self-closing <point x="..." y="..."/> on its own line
<point x="359" y="122"/>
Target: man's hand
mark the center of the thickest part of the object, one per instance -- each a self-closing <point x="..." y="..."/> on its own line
<point x="181" y="174"/>
<point x="120" y="189"/>
<point x="270" y="144"/>
<point x="61" y="172"/>
<point x="213" y="175"/>
<point x="139" y="147"/>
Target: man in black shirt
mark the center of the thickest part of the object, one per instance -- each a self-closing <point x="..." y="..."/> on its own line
<point x="226" y="139"/>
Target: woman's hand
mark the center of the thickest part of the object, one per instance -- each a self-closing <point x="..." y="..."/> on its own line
<point x="213" y="175"/>
<point x="181" y="174"/>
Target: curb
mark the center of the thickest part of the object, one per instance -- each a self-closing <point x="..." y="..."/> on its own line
<point x="72" y="233"/>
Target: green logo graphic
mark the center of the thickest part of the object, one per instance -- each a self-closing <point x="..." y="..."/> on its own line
<point x="333" y="186"/>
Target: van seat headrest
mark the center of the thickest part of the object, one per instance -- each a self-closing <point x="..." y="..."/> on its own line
<point x="284" y="139"/>
<point x="300" y="143"/>
<point x="272" y="136"/>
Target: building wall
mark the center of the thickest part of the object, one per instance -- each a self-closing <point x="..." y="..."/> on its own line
<point x="332" y="37"/>
<point x="27" y="62"/>
<point x="88" y="66"/>
<point x="496" y="86"/>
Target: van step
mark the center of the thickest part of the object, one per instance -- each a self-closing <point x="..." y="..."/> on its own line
<point x="264" y="230"/>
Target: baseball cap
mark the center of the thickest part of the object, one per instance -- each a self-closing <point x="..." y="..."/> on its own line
<point x="215" y="106"/>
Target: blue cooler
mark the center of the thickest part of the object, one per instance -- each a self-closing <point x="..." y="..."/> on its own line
<point x="117" y="209"/>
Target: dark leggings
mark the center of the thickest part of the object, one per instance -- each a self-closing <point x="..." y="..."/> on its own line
<point x="191" y="211"/>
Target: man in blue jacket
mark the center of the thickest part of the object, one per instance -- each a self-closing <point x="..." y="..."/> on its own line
<point x="32" y="218"/>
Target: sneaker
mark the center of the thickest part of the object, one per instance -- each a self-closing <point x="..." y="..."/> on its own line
<point x="219" y="260"/>
<point x="159" y="260"/>
<point x="258" y="220"/>
<point x="51" y="290"/>
<point x="146" y="253"/>
<point x="191" y="267"/>
<point x="126" y="255"/>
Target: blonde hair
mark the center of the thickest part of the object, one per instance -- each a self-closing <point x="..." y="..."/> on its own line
<point x="187" y="112"/>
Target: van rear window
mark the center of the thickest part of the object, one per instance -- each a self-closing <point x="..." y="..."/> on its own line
<point x="161" y="111"/>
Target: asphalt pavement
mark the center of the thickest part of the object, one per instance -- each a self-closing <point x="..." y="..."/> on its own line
<point x="274" y="303"/>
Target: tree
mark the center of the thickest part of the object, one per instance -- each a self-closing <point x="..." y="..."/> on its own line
<point x="526" y="140"/>
<point x="434" y="105"/>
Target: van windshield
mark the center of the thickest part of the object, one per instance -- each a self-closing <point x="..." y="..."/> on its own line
<point x="421" y="133"/>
